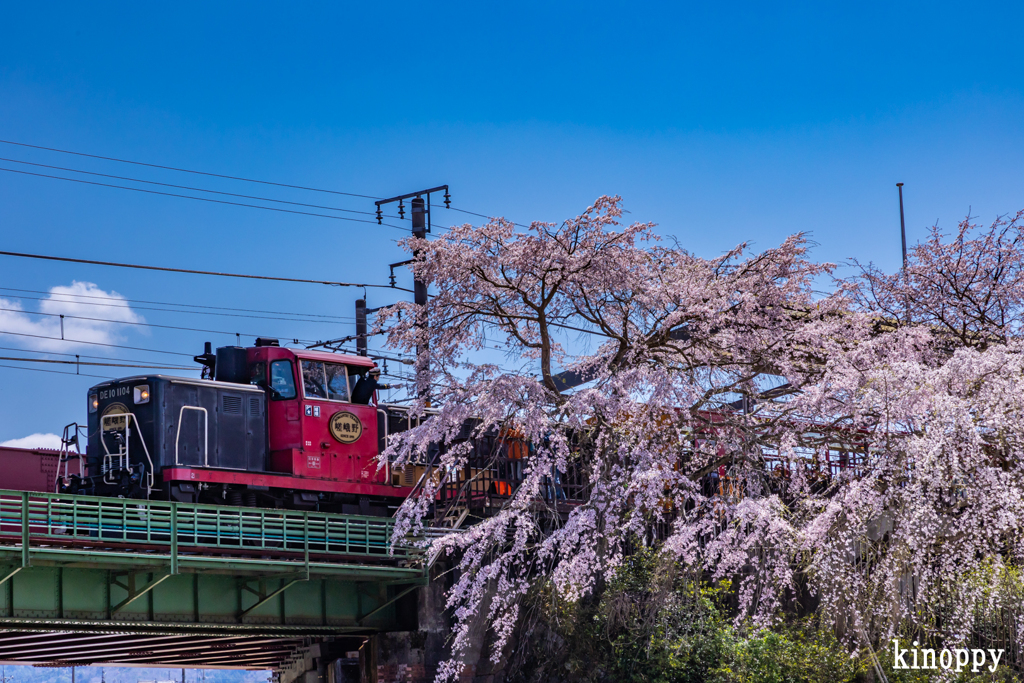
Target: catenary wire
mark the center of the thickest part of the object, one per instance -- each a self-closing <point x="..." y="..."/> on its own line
<point x="168" y="303"/>
<point x="185" y="170"/>
<point x="170" y="353"/>
<point x="473" y="213"/>
<point x="172" y="310"/>
<point x="481" y="215"/>
<point x="217" y="175"/>
<point x="85" y="355"/>
<point x="132" y="322"/>
<point x="93" y="343"/>
<point x="142" y="364"/>
<point x="55" y="372"/>
<point x="189" y="187"/>
<point x="200" y="199"/>
<point x="214" y="175"/>
<point x="195" y="272"/>
<point x="86" y="362"/>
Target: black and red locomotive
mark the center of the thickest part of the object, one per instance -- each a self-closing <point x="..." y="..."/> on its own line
<point x="273" y="427"/>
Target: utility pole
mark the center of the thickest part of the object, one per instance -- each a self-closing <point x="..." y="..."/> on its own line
<point x="903" y="227"/>
<point x="903" y="237"/>
<point x="420" y="227"/>
<point x="361" y="327"/>
<point x="419" y="230"/>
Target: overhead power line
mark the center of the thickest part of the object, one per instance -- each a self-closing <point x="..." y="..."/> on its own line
<point x="200" y="199"/>
<point x="133" y="322"/>
<point x="186" y="170"/>
<point x="93" y="343"/>
<point x="55" y="372"/>
<point x="83" y="355"/>
<point x="188" y="187"/>
<point x="481" y="215"/>
<point x="213" y="175"/>
<point x="168" y="310"/>
<point x="85" y="362"/>
<point x="194" y="272"/>
<point x="170" y="303"/>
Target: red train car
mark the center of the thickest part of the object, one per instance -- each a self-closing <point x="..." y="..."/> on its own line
<point x="28" y="469"/>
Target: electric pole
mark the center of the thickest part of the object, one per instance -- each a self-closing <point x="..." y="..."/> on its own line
<point x="903" y="237"/>
<point x="420" y="227"/>
<point x="903" y="227"/>
<point x="419" y="230"/>
<point x="361" y="327"/>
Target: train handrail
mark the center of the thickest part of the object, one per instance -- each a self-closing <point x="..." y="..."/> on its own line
<point x="122" y="525"/>
<point x="387" y="463"/>
<point x="64" y="456"/>
<point x="129" y="416"/>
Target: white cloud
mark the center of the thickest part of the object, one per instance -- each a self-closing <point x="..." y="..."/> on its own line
<point x="35" y="441"/>
<point x="79" y="299"/>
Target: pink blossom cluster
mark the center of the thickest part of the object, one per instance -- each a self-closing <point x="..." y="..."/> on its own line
<point x="862" y="444"/>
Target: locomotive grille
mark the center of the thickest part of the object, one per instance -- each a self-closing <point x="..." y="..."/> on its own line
<point x="231" y="405"/>
<point x="254" y="405"/>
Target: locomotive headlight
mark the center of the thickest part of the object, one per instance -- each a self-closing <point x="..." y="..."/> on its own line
<point x="94" y="403"/>
<point x="141" y="394"/>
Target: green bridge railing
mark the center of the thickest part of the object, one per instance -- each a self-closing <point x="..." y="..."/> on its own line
<point x="34" y="519"/>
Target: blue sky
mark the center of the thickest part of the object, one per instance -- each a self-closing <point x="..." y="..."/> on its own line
<point x="722" y="123"/>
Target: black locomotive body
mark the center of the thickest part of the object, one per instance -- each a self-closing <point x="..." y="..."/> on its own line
<point x="140" y="426"/>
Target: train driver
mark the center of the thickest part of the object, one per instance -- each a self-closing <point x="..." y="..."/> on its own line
<point x="367" y="384"/>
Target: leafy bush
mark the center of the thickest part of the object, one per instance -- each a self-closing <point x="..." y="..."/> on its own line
<point x="798" y="653"/>
<point x="656" y="624"/>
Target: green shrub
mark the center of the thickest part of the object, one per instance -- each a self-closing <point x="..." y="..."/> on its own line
<point x="656" y="624"/>
<point x="799" y="653"/>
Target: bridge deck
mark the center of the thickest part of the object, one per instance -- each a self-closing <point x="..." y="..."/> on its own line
<point x="104" y="529"/>
<point x="156" y="569"/>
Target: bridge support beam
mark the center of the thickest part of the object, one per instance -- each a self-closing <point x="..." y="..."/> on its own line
<point x="150" y="583"/>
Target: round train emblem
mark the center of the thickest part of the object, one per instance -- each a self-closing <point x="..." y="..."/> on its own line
<point x="114" y="417"/>
<point x="346" y="427"/>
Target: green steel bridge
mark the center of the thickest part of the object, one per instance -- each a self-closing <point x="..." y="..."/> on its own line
<point x="88" y="580"/>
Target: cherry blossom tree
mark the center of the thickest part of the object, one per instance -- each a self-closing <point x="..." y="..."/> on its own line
<point x="970" y="289"/>
<point x="753" y="428"/>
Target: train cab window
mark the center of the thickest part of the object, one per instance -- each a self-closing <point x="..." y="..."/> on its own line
<point x="330" y="381"/>
<point x="314" y="384"/>
<point x="337" y="382"/>
<point x="282" y="381"/>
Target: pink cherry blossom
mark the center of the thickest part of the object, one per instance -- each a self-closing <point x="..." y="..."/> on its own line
<point x="870" y="436"/>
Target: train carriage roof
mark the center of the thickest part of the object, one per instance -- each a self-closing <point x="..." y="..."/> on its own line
<point x="361" y="361"/>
